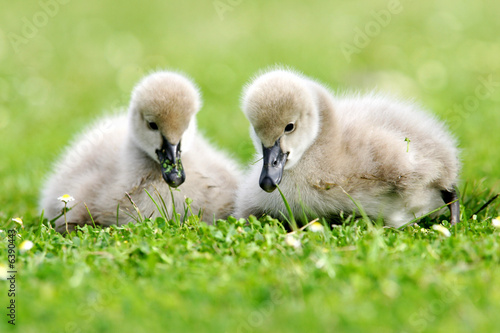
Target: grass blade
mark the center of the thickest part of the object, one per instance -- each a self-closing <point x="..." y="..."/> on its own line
<point x="360" y="209"/>
<point x="292" y="221"/>
<point x="486" y="204"/>
<point x="140" y="218"/>
<point x="88" y="211"/>
<point x="175" y="218"/>
<point x="425" y="215"/>
<point x="156" y="204"/>
<point x="117" y="214"/>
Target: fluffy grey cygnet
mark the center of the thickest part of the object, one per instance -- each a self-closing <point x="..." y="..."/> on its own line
<point x="126" y="154"/>
<point x="394" y="159"/>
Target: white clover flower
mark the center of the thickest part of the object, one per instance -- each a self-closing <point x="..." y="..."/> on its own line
<point x="3" y="272"/>
<point x="320" y="263"/>
<point x="445" y="232"/>
<point x="292" y="241"/>
<point x="316" y="227"/>
<point x="66" y="198"/>
<point x="26" y="246"/>
<point x="496" y="222"/>
<point x="19" y="221"/>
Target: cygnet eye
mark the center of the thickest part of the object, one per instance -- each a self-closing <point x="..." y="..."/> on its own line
<point x="153" y="126"/>
<point x="289" y="128"/>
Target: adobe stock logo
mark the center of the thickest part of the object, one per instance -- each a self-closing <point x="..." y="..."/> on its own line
<point x="470" y="104"/>
<point x="221" y="7"/>
<point x="31" y="27"/>
<point x="363" y="37"/>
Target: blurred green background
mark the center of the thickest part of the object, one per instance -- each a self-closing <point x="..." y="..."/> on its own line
<point x="62" y="65"/>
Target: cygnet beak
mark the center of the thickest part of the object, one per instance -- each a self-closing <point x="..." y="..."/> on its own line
<point x="274" y="163"/>
<point x="171" y="165"/>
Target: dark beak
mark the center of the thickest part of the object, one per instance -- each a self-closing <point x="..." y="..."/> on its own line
<point x="171" y="165"/>
<point x="274" y="163"/>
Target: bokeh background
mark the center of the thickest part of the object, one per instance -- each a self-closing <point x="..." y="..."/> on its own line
<point x="65" y="63"/>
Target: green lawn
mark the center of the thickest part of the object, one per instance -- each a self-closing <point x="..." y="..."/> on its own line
<point x="64" y="65"/>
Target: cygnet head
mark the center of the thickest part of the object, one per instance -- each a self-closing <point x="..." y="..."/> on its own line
<point x="161" y="117"/>
<point x="282" y="108"/>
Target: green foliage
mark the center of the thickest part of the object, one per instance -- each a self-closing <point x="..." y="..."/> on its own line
<point x="243" y="275"/>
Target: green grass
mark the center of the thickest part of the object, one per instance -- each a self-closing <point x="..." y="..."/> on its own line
<point x="160" y="276"/>
<point x="238" y="276"/>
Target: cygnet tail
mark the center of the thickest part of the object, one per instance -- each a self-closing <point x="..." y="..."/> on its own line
<point x="452" y="198"/>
